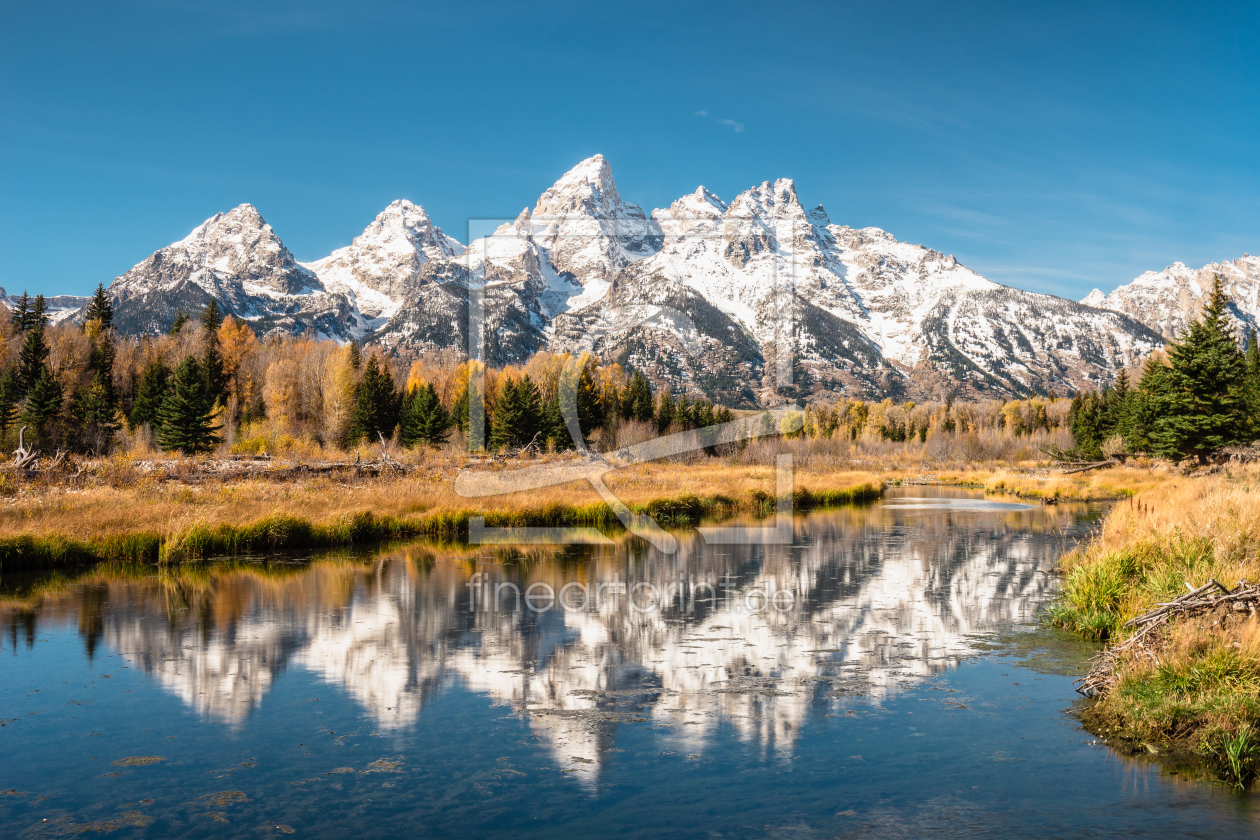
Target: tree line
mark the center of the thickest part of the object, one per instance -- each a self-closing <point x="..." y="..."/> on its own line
<point x="209" y="380"/>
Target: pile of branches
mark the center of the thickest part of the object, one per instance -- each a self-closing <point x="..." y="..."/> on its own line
<point x="1072" y="462"/>
<point x="1242" y="598"/>
<point x="28" y="459"/>
<point x="382" y="465"/>
<point x="1248" y="454"/>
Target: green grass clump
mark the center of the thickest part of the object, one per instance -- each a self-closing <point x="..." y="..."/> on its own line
<point x="1098" y="597"/>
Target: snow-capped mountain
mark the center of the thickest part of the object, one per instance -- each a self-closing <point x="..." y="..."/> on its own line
<point x="858" y="311"/>
<point x="746" y="303"/>
<point x="1168" y="300"/>
<point x="377" y="269"/>
<point x="236" y="259"/>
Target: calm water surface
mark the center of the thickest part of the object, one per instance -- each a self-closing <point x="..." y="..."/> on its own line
<point x="880" y="677"/>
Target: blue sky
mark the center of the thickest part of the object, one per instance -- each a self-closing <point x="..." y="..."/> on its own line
<point x="1055" y="149"/>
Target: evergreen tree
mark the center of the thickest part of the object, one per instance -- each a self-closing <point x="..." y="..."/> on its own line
<point x="1207" y="401"/>
<point x="9" y="397"/>
<point x="555" y="432"/>
<point x="590" y="408"/>
<point x="100" y="309"/>
<point x="43" y="402"/>
<point x="1253" y="386"/>
<point x="682" y="412"/>
<point x="1144" y="407"/>
<point x="636" y="402"/>
<point x="95" y="409"/>
<point x="1090" y="421"/>
<point x="664" y="411"/>
<point x="376" y="405"/>
<point x="518" y="415"/>
<point x="425" y="420"/>
<point x="150" y="394"/>
<point x="181" y="318"/>
<point x="32" y="357"/>
<point x="21" y="316"/>
<point x="212" y="362"/>
<point x="506" y="420"/>
<point x="185" y="421"/>
<point x="39" y="314"/>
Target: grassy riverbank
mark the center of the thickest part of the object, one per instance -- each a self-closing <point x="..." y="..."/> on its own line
<point x="50" y="527"/>
<point x="182" y="508"/>
<point x="1196" y="688"/>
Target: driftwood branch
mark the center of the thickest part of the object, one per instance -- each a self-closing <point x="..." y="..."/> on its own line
<point x="24" y="458"/>
<point x="1198" y="600"/>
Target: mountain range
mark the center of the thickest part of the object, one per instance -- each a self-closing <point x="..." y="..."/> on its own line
<point x="748" y="303"/>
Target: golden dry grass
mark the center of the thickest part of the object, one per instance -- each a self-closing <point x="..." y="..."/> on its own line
<point x="125" y="514"/>
<point x="1196" y="687"/>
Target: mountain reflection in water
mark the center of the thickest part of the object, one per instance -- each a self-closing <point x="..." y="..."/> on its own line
<point x="879" y="597"/>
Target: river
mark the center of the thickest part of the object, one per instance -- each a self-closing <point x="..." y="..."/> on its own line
<point x="882" y="675"/>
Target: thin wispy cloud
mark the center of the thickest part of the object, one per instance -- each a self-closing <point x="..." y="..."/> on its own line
<point x="735" y="127"/>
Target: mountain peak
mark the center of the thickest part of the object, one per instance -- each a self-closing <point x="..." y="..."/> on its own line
<point x="587" y="189"/>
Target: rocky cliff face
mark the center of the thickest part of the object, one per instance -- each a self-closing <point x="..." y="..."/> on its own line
<point x="1168" y="300"/>
<point x="748" y="303"/>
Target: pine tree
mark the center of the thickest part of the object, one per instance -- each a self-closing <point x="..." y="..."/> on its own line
<point x="636" y="402"/>
<point x="9" y="398"/>
<point x="21" y="316"/>
<point x="665" y="411"/>
<point x="32" y="357"/>
<point x="1208" y="407"/>
<point x="376" y="405"/>
<point x="39" y="313"/>
<point x="506" y="419"/>
<point x="517" y="416"/>
<point x="100" y="309"/>
<point x="185" y="420"/>
<point x="554" y="431"/>
<point x="181" y="318"/>
<point x="150" y="394"/>
<point x="425" y="420"/>
<point x="1253" y="386"/>
<point x="682" y="412"/>
<point x="95" y="409"/>
<point x="590" y="409"/>
<point x="212" y="361"/>
<point x="43" y="402"/>
<point x="1145" y="405"/>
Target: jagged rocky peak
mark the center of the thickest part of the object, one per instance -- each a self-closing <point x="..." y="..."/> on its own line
<point x="240" y="243"/>
<point x="587" y="189"/>
<point x="236" y="259"/>
<point x="587" y="231"/>
<point x="695" y="213"/>
<point x="382" y="262"/>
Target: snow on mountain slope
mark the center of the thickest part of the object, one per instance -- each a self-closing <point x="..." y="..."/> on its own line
<point x="1168" y="300"/>
<point x="376" y="269"/>
<point x="236" y="259"/>
<point x="585" y="228"/>
<point x="859" y="311"/>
